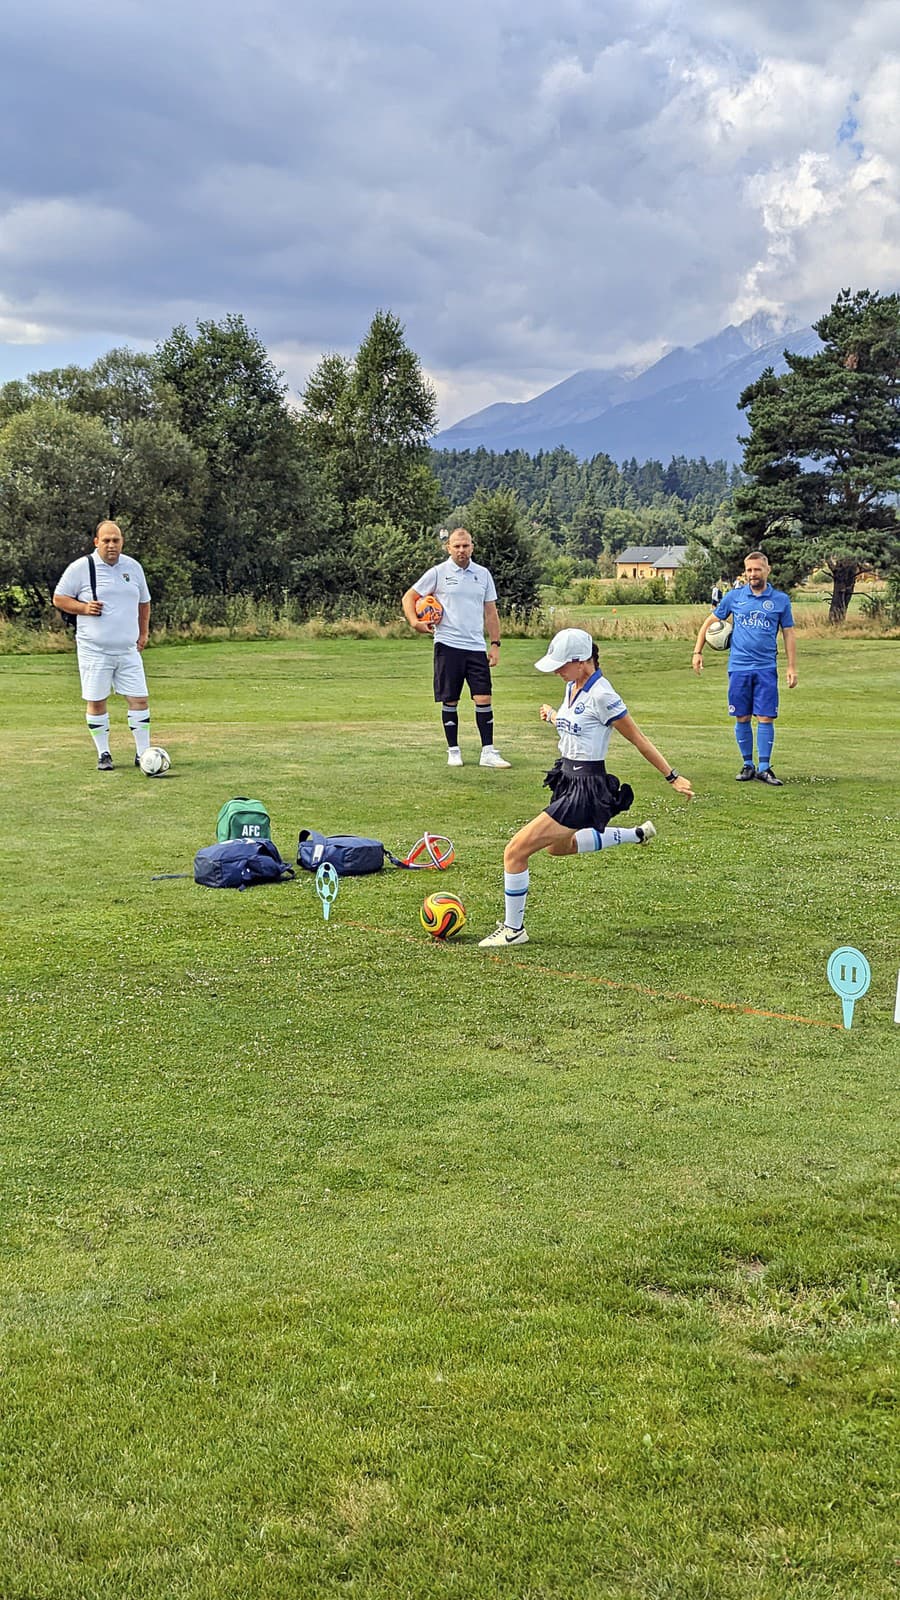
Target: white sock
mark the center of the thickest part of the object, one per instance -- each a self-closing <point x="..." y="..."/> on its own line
<point x="139" y="723"/>
<point x="515" y="893"/>
<point x="98" y="728"/>
<point x="588" y="839"/>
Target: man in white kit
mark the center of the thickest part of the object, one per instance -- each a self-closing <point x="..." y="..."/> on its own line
<point x="109" y="596"/>
<point x="469" y="599"/>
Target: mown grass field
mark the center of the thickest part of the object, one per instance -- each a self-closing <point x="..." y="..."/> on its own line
<point x="335" y="1262"/>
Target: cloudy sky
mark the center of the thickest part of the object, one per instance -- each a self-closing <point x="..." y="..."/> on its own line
<point x="533" y="186"/>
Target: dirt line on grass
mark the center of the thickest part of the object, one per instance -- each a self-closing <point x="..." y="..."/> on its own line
<point x="615" y="983"/>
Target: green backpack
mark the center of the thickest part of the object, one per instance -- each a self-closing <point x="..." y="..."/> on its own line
<point x="243" y="819"/>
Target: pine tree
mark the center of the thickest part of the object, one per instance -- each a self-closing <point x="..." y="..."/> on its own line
<point x="823" y="454"/>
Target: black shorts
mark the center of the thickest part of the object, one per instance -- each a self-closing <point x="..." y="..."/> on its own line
<point x="453" y="668"/>
<point x="585" y="795"/>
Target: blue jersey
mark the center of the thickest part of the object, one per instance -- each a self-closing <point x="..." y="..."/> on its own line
<point x="757" y="618"/>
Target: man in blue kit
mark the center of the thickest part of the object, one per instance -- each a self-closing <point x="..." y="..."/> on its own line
<point x="758" y="611"/>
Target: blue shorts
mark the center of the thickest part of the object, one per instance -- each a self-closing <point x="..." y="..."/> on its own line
<point x="753" y="694"/>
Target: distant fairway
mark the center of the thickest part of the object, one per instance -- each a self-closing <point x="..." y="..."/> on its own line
<point x="339" y="1263"/>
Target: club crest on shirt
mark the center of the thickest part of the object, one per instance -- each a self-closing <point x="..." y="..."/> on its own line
<point x="768" y="605"/>
<point x="126" y="577"/>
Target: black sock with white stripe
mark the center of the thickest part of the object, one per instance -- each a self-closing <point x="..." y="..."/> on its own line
<point x="484" y="718"/>
<point x="450" y="719"/>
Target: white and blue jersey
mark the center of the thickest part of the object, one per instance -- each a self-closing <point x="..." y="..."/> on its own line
<point x="585" y="718"/>
<point x="463" y="592"/>
<point x="757" y="618"/>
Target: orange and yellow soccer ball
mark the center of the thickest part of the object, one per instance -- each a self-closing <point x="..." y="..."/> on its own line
<point x="443" y="915"/>
<point x="429" y="609"/>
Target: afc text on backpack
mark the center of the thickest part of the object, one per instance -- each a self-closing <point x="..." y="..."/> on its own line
<point x="241" y="818"/>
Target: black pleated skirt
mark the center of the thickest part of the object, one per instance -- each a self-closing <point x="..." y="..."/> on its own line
<point x="584" y="795"/>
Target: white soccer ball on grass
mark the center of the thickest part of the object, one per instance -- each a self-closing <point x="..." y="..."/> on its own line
<point x="154" y="762"/>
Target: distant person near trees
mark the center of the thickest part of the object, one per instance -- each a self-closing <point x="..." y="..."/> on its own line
<point x="758" y="611"/>
<point x="109" y="596"/>
<point x="469" y="599"/>
<point x="715" y="594"/>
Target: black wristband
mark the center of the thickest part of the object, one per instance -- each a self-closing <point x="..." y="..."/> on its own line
<point x="671" y="776"/>
<point x="495" y="644"/>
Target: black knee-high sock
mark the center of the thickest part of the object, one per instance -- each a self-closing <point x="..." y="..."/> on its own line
<point x="450" y="719"/>
<point x="484" y="718"/>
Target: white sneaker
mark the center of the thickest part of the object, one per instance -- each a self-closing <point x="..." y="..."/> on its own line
<point x="502" y="937"/>
<point x="454" y="757"/>
<point x="646" y="831"/>
<point x="492" y="758"/>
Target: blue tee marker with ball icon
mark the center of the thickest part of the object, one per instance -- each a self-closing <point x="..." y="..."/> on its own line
<point x="327" y="885"/>
<point x="849" y="974"/>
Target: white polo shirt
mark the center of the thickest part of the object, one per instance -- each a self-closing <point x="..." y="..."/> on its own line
<point x="584" y="720"/>
<point x="463" y="593"/>
<point x="122" y="588"/>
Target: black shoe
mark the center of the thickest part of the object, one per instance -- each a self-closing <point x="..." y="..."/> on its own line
<point x="105" y="764"/>
<point x="746" y="773"/>
<point x="769" y="777"/>
<point x="137" y="761"/>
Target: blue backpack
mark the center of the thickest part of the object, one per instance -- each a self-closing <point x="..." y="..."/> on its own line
<point x="350" y="856"/>
<point x="239" y="864"/>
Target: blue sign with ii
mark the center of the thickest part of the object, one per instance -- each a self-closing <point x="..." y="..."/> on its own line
<point x="849" y="974"/>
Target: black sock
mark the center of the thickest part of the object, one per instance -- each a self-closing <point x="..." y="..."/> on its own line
<point x="450" y="719"/>
<point x="484" y="718"/>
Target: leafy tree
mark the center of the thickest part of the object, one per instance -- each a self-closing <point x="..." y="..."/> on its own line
<point x="56" y="469"/>
<point x="497" y="525"/>
<point x="153" y="478"/>
<point x="262" y="512"/>
<point x="823" y="454"/>
<point x="368" y="422"/>
<point x="621" y="528"/>
<point x="387" y="558"/>
<point x="584" y="535"/>
<point x="694" y="581"/>
<point x="121" y="387"/>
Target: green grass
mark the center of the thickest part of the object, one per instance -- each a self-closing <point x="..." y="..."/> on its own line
<point x="336" y="1262"/>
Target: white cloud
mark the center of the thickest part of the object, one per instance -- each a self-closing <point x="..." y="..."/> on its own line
<point x="42" y="233"/>
<point x="532" y="187"/>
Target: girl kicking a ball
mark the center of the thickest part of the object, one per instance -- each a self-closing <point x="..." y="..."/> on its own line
<point x="584" y="796"/>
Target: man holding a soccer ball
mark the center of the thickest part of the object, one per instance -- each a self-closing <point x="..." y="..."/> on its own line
<point x="108" y="594"/>
<point x="757" y="612"/>
<point x="467" y="607"/>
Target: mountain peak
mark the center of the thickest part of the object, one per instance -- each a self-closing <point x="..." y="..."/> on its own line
<point x="686" y="403"/>
<point x="764" y="327"/>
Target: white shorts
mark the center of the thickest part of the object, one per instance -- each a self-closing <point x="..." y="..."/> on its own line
<point x="102" y="673"/>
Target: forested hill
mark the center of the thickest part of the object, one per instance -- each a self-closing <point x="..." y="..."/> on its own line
<point x="556" y="482"/>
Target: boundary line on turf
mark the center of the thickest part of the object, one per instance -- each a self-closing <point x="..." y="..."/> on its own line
<point x="632" y="988"/>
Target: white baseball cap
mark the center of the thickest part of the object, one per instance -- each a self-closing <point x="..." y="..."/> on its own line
<point x="571" y="644"/>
